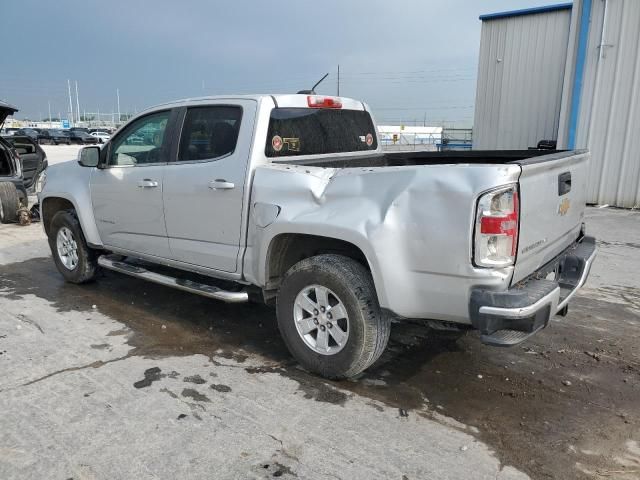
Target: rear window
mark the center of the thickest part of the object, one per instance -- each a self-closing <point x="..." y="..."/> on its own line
<point x="310" y="131"/>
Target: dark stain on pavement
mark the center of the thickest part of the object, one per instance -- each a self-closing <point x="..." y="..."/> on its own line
<point x="323" y="392"/>
<point x="195" y="395"/>
<point x="220" y="388"/>
<point x="150" y="375"/>
<point x="197" y="379"/>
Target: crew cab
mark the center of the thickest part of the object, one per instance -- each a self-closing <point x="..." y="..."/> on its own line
<point x="290" y="200"/>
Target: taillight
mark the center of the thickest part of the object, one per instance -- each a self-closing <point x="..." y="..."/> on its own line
<point x="315" y="101"/>
<point x="496" y="237"/>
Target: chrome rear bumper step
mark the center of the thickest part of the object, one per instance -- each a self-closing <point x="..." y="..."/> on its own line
<point x="507" y="338"/>
<point x="210" y="291"/>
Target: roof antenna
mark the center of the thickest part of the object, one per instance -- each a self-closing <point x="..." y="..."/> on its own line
<point x="313" y="89"/>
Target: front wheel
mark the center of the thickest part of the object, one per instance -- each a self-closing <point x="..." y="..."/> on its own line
<point x="329" y="316"/>
<point x="74" y="259"/>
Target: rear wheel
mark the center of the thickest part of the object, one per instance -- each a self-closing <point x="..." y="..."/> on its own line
<point x="74" y="259"/>
<point x="9" y="202"/>
<point x="329" y="317"/>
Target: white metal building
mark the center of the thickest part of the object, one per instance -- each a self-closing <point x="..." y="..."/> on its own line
<point x="520" y="76"/>
<point x="570" y="73"/>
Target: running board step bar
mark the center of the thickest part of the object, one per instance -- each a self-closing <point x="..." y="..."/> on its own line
<point x="110" y="263"/>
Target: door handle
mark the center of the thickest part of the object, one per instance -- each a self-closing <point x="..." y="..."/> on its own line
<point x="221" y="184"/>
<point x="564" y="183"/>
<point x="147" y="183"/>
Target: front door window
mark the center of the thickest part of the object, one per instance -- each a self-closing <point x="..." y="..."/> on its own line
<point x="142" y="143"/>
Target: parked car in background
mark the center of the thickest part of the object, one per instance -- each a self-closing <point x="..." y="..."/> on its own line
<point x="135" y="139"/>
<point x="56" y="137"/>
<point x="22" y="163"/>
<point x="9" y="131"/>
<point x="33" y="159"/>
<point x="79" y="129"/>
<point x="80" y="137"/>
<point x="101" y="136"/>
<point x="29" y="132"/>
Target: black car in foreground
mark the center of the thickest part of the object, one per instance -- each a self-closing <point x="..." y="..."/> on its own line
<point x="22" y="164"/>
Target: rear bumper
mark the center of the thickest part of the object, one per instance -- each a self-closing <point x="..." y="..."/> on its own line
<point x="509" y="317"/>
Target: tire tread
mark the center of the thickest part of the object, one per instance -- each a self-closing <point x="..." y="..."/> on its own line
<point x="377" y="326"/>
<point x="10" y="202"/>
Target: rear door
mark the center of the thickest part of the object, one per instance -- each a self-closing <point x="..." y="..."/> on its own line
<point x="552" y="205"/>
<point x="204" y="185"/>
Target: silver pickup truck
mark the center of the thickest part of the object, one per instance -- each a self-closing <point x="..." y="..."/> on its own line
<point x="290" y="200"/>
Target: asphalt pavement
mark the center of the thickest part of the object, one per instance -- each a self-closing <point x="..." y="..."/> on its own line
<point x="126" y="379"/>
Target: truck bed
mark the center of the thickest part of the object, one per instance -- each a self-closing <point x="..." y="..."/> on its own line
<point x="414" y="158"/>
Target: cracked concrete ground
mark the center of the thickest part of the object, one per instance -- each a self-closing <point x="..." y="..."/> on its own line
<point x="124" y="379"/>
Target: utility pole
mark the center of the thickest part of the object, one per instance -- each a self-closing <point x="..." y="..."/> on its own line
<point x="118" y="95"/>
<point x="338" y="79"/>
<point x="49" y="103"/>
<point x="70" y="102"/>
<point x="77" y="103"/>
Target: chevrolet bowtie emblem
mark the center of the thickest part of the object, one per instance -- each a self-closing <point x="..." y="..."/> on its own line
<point x="563" y="208"/>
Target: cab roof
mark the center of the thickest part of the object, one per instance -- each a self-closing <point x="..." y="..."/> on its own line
<point x="280" y="100"/>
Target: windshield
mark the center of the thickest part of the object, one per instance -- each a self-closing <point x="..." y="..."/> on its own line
<point x="313" y="131"/>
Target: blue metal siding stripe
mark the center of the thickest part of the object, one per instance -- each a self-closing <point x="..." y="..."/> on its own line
<point x="581" y="57"/>
<point x="527" y="11"/>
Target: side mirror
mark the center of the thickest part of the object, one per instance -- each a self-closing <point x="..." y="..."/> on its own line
<point x="89" y="156"/>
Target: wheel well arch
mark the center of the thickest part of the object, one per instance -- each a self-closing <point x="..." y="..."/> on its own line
<point x="51" y="206"/>
<point x="287" y="249"/>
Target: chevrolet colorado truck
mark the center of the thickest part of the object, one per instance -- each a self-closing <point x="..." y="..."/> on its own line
<point x="290" y="200"/>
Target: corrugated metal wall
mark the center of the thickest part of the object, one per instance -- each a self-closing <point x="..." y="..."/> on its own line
<point x="520" y="77"/>
<point x="609" y="118"/>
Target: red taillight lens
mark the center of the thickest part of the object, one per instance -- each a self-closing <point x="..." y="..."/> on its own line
<point x="323" y="102"/>
<point x="496" y="239"/>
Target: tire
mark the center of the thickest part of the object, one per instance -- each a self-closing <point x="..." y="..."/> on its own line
<point x="85" y="267"/>
<point x="367" y="327"/>
<point x="9" y="202"/>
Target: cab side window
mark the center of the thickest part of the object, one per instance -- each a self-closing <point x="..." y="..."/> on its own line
<point x="209" y="132"/>
<point x="142" y="142"/>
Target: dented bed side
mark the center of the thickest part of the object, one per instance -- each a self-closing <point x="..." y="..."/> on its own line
<point x="414" y="225"/>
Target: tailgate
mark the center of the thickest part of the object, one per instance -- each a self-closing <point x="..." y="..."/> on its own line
<point x="552" y="204"/>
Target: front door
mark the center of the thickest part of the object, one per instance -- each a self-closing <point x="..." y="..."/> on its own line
<point x="204" y="185"/>
<point x="127" y="192"/>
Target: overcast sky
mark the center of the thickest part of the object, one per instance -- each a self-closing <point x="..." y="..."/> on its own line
<point x="410" y="60"/>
